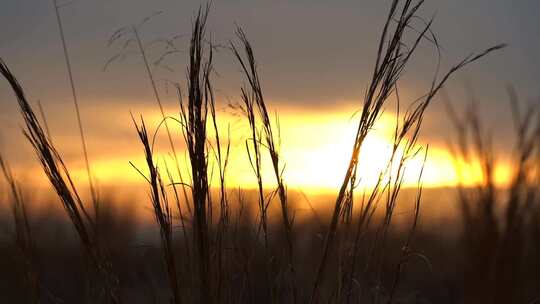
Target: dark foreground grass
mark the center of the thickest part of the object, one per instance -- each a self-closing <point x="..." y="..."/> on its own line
<point x="135" y="252"/>
<point x="499" y="228"/>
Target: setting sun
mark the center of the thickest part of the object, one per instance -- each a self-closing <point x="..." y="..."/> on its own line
<point x="315" y="147"/>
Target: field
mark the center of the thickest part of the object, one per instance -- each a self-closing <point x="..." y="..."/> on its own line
<point x="191" y="233"/>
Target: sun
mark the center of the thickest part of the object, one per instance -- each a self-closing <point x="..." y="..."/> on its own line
<point x="315" y="148"/>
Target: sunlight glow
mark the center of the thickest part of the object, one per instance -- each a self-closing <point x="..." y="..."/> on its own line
<point x="315" y="147"/>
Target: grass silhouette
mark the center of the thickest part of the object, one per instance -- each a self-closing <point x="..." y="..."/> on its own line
<point x="230" y="249"/>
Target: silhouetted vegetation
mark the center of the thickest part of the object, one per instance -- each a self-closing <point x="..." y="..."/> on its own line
<point x="224" y="245"/>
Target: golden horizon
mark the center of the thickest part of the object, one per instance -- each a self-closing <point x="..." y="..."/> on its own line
<point x="315" y="148"/>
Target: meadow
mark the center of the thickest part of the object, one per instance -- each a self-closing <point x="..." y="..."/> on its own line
<point x="206" y="241"/>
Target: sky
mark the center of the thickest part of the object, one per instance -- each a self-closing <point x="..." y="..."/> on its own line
<point x="315" y="59"/>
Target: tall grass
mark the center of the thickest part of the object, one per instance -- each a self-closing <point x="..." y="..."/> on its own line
<point x="249" y="68"/>
<point x="58" y="175"/>
<point x="253" y="149"/>
<point x="130" y="34"/>
<point x="75" y="103"/>
<point x="222" y="261"/>
<point x="393" y="55"/>
<point x="24" y="239"/>
<point x="495" y="223"/>
<point x="162" y="212"/>
<point x="194" y="116"/>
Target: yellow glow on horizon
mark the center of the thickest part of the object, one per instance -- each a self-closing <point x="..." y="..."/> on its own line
<point x="315" y="147"/>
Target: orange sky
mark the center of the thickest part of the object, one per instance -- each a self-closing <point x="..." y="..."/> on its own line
<point x="315" y="146"/>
